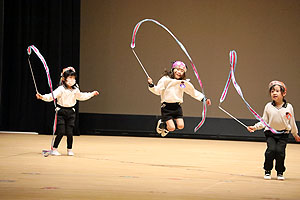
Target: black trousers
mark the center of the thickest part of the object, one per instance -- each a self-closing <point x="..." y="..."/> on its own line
<point x="276" y="145"/>
<point x="65" y="126"/>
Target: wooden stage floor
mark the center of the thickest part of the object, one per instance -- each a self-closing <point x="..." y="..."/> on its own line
<point x="140" y="168"/>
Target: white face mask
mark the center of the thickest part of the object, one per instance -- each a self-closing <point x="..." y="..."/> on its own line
<point x="71" y="82"/>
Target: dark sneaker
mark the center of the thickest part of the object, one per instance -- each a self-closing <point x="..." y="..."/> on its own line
<point x="280" y="176"/>
<point x="267" y="175"/>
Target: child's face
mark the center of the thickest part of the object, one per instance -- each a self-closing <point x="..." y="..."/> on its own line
<point x="276" y="94"/>
<point x="178" y="73"/>
<point x="70" y="81"/>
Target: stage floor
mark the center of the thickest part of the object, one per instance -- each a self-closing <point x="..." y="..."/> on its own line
<point x="140" y="168"/>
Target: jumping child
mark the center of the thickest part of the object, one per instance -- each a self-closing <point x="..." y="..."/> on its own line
<point x="67" y="95"/>
<point x="171" y="88"/>
<point x="279" y="115"/>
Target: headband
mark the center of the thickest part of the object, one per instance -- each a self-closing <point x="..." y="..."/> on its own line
<point x="180" y="65"/>
<point x="272" y="83"/>
<point x="66" y="69"/>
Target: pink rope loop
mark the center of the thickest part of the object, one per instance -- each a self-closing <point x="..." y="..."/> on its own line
<point x="45" y="67"/>
<point x="231" y="78"/>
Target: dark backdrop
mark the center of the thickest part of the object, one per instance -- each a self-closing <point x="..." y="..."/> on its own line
<point x="53" y="27"/>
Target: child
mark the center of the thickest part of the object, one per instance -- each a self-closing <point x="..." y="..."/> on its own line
<point x="279" y="115"/>
<point x="66" y="94"/>
<point x="171" y="88"/>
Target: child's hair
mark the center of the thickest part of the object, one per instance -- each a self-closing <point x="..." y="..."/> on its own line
<point x="279" y="83"/>
<point x="171" y="73"/>
<point x="282" y="89"/>
<point x="65" y="75"/>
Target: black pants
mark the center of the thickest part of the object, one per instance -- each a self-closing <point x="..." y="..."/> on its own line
<point x="275" y="151"/>
<point x="65" y="126"/>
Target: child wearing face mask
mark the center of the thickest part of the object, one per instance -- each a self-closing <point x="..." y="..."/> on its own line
<point x="171" y="88"/>
<point x="67" y="95"/>
<point x="279" y="115"/>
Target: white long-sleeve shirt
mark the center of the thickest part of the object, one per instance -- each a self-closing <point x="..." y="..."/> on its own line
<point x="170" y="91"/>
<point x="279" y="119"/>
<point x="67" y="97"/>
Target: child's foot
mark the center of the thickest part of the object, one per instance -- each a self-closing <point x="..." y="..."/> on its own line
<point x="158" y="129"/>
<point x="267" y="175"/>
<point x="54" y="152"/>
<point x="280" y="176"/>
<point x="70" y="152"/>
<point x="164" y="132"/>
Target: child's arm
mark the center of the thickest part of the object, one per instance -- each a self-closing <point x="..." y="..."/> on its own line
<point x="259" y="125"/>
<point x="49" y="97"/>
<point x="256" y="127"/>
<point x="38" y="96"/>
<point x="190" y="90"/>
<point x="83" y="96"/>
<point x="294" y="129"/>
<point x="208" y="102"/>
<point x="251" y="129"/>
<point x="297" y="138"/>
<point x="156" y="89"/>
<point x="150" y="82"/>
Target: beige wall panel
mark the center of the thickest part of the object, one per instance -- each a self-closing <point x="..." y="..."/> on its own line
<point x="265" y="34"/>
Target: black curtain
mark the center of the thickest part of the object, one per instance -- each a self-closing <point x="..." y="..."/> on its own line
<point x="1" y="54"/>
<point x="53" y="26"/>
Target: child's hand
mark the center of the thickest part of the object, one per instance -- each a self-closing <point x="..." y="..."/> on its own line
<point x="251" y="129"/>
<point x="150" y="81"/>
<point x="297" y="138"/>
<point x="95" y="93"/>
<point x="38" y="96"/>
<point x="208" y="102"/>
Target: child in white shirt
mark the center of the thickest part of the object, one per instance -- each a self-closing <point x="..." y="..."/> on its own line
<point x="280" y="116"/>
<point x="67" y="95"/>
<point x="171" y="88"/>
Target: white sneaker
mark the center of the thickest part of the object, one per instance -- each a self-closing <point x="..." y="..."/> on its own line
<point x="267" y="175"/>
<point x="280" y="176"/>
<point x="158" y="130"/>
<point x="55" y="153"/>
<point x="164" y="132"/>
<point x="70" y="152"/>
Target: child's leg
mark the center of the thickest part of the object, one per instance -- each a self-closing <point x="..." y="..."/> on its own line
<point x="70" y="123"/>
<point x="180" y="123"/>
<point x="280" y="153"/>
<point x="69" y="133"/>
<point x="169" y="111"/>
<point x="60" y="128"/>
<point x="60" y="131"/>
<point x="170" y="125"/>
<point x="270" y="153"/>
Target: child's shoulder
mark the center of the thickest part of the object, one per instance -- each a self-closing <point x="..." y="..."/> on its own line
<point x="60" y="87"/>
<point x="269" y="104"/>
<point x="289" y="105"/>
<point x="164" y="78"/>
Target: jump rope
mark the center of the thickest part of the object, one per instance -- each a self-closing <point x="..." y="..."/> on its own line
<point x="133" y="42"/>
<point x="37" y="52"/>
<point x="231" y="78"/>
